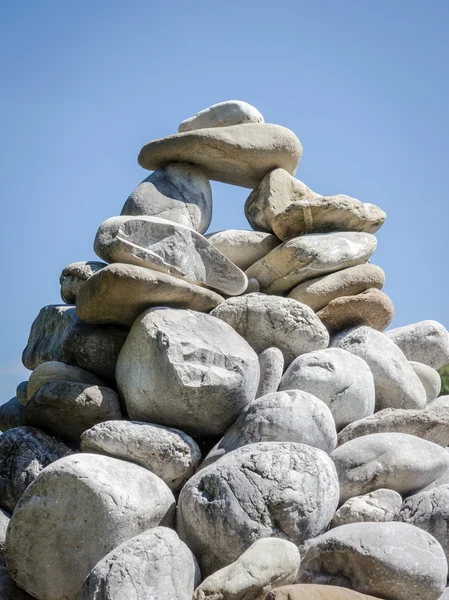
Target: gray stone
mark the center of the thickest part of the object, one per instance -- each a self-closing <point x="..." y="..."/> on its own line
<point x="243" y="247"/>
<point x="445" y="595"/>
<point x="120" y="293"/>
<point x="177" y="192"/>
<point x="8" y="589"/>
<point x="266" y="321"/>
<point x="271" y="364"/>
<point x="223" y="114"/>
<point x="253" y="287"/>
<point x="185" y="369"/>
<point x="380" y="506"/>
<point x="397" y="385"/>
<point x="68" y="408"/>
<point x="56" y="371"/>
<point x="270" y="489"/>
<point x="74" y="276"/>
<point x="22" y="392"/>
<point x="318" y="292"/>
<point x="268" y="563"/>
<point x="340" y="379"/>
<point x="58" y="334"/>
<point x="426" y="342"/>
<point x="169" y="248"/>
<point x="310" y="591"/>
<point x="154" y="564"/>
<point x="168" y="453"/>
<point x="12" y="414"/>
<point x="24" y="453"/>
<point x="78" y="510"/>
<point x="240" y="154"/>
<point x="395" y="561"/>
<point x="305" y="257"/>
<point x="430" y="378"/>
<point x="4" y="522"/>
<point x="397" y="461"/>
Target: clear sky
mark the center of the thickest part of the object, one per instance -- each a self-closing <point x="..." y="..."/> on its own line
<point x="85" y="84"/>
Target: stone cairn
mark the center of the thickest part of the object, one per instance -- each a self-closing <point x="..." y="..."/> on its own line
<point x="222" y="416"/>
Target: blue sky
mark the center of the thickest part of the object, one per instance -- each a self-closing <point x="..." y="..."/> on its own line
<point x="364" y="85"/>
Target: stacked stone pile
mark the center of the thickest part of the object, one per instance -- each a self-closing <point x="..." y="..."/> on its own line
<point x="222" y="416"/>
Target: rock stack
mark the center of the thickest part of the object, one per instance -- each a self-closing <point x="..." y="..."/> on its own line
<point x="221" y="416"/>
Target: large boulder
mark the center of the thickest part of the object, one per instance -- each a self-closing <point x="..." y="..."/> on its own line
<point x="426" y="342"/>
<point x="243" y="247"/>
<point x="185" y="369"/>
<point x="270" y="489"/>
<point x="79" y="509"/>
<point x="54" y="370"/>
<point x="74" y="276"/>
<point x="310" y="591"/>
<point x="12" y="414"/>
<point x="271" y="364"/>
<point x="379" y="506"/>
<point x="430" y="378"/>
<point x="223" y="114"/>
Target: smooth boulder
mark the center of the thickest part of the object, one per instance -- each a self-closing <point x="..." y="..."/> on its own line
<point x="74" y="276"/>
<point x="379" y="506"/>
<point x="430" y="378"/>
<point x="12" y="414"/>
<point x="55" y="371"/>
<point x="271" y="365"/>
<point x="426" y="342"/>
<point x="243" y="247"/>
<point x="223" y="114"/>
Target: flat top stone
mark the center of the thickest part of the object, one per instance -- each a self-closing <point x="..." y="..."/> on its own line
<point x="222" y="114"/>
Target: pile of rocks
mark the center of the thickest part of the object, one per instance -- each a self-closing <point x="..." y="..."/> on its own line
<point x="221" y="416"/>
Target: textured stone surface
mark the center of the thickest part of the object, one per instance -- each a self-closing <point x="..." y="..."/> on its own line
<point x="223" y="114"/>
<point x="270" y="489"/>
<point x="12" y="414"/>
<point x="318" y="292"/>
<point x="310" y="591"/>
<point x="340" y="379"/>
<point x="397" y="461"/>
<point x="291" y="416"/>
<point x="120" y="293"/>
<point x="380" y="506"/>
<point x="243" y="247"/>
<point x="4" y="522"/>
<point x="186" y="369"/>
<point x="268" y="563"/>
<point x="54" y="371"/>
<point x="372" y="308"/>
<point x="74" y="276"/>
<point x="8" y="589"/>
<point x="430" y="378"/>
<point x="76" y="511"/>
<point x="169" y="248"/>
<point x="271" y="364"/>
<point x="397" y="385"/>
<point x="266" y="321"/>
<point x="178" y="192"/>
<point x="239" y="154"/>
<point x="305" y="257"/>
<point x="67" y="408"/>
<point x="154" y="564"/>
<point x="22" y="392"/>
<point x="425" y="341"/>
<point x="169" y="453"/>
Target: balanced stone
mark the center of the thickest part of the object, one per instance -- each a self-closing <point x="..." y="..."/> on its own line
<point x="318" y="292"/>
<point x="4" y="522"/>
<point x="169" y="453"/>
<point x="243" y="247"/>
<point x="8" y="589"/>
<point x="268" y="563"/>
<point x="119" y="293"/>
<point x="54" y="370"/>
<point x="379" y="506"/>
<point x="170" y="248"/>
<point x="397" y="385"/>
<point x="396" y="461"/>
<point x="311" y="591"/>
<point x="239" y="154"/>
<point x="305" y="257"/>
<point x="426" y="342"/>
<point x="74" y="276"/>
<point x="78" y="510"/>
<point x="271" y="364"/>
<point x="430" y="378"/>
<point x="185" y="369"/>
<point x="12" y="414"/>
<point x="266" y="321"/>
<point x="270" y="489"/>
<point x="177" y="192"/>
<point x="223" y="114"/>
<point x="340" y="379"/>
<point x="22" y="392"/>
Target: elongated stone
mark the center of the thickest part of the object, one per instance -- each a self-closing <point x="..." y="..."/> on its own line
<point x="243" y="247"/>
<point x="223" y="114"/>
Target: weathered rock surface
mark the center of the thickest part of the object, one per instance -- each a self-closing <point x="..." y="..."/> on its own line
<point x="68" y="408"/>
<point x="394" y="561"/>
<point x="169" y="453"/>
<point x="24" y="453"/>
<point x="12" y="414"/>
<point x="78" y="510"/>
<point x="177" y="192"/>
<point x="120" y="293"/>
<point x="340" y="379"/>
<point x="243" y="247"/>
<point x="185" y="369"/>
<point x="271" y="364"/>
<point x="22" y="392"/>
<point x="268" y="563"/>
<point x="430" y="378"/>
<point x="318" y="292"/>
<point x="4" y="522"/>
<point x="426" y="342"/>
<point x="380" y="506"/>
<point x="239" y="154"/>
<point x="266" y="321"/>
<point x="397" y="385"/>
<point x="74" y="276"/>
<point x="270" y="489"/>
<point x="8" y="589"/>
<point x="396" y="461"/>
<point x="169" y="248"/>
<point x="223" y="114"/>
<point x="310" y="591"/>
<point x="153" y="564"/>
<point x="305" y="257"/>
<point x="56" y="371"/>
